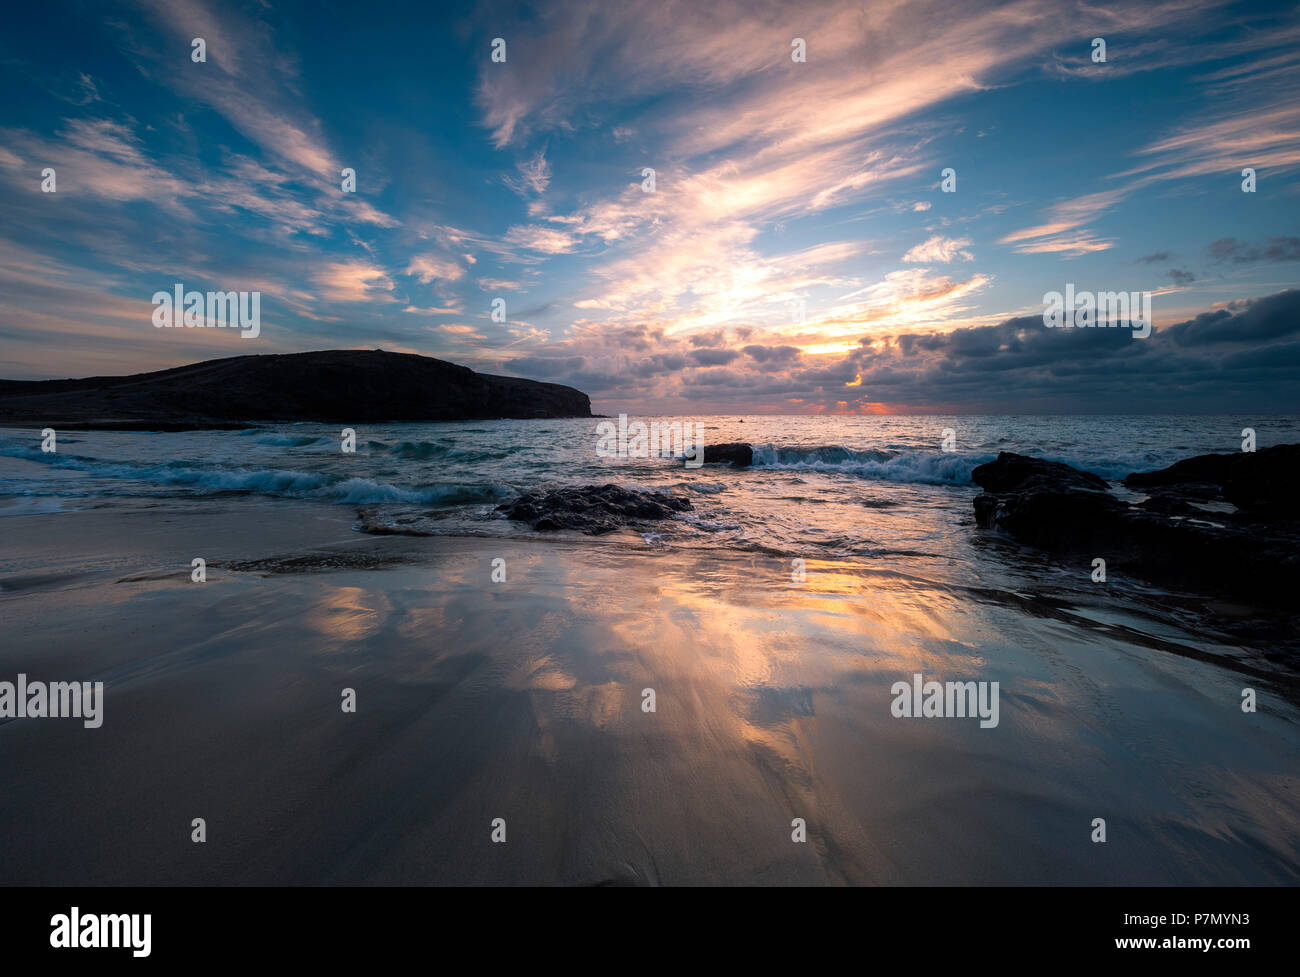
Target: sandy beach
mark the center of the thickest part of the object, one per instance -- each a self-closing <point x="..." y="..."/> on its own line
<point x="522" y="700"/>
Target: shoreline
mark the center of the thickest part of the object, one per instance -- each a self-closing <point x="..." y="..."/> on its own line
<point x="522" y="699"/>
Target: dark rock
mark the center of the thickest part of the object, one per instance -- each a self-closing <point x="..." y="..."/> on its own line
<point x="592" y="509"/>
<point x="1190" y="491"/>
<point x="739" y="454"/>
<point x="1052" y="519"/>
<point x="1209" y="469"/>
<point x="340" y="386"/>
<point x="1043" y="503"/>
<point x="1257" y="482"/>
<point x="1013" y="472"/>
<point x="1170" y="505"/>
<point x="1169" y="542"/>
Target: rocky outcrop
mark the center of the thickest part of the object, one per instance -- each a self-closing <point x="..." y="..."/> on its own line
<point x="1170" y="538"/>
<point x="592" y="509"/>
<point x="739" y="454"/>
<point x="1256" y="482"/>
<point x="339" y="386"/>
<point x="1012" y="472"/>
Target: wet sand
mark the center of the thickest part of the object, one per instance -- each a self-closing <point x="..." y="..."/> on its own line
<point x="522" y="700"/>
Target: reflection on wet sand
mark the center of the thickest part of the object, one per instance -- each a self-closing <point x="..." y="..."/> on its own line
<point x="524" y="700"/>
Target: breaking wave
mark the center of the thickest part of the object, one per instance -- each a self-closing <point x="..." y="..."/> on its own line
<point x="918" y="467"/>
<point x="276" y="482"/>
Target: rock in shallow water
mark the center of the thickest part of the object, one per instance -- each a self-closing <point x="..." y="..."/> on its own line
<point x="1013" y="471"/>
<point x="1261" y="482"/>
<point x="592" y="509"/>
<point x="738" y="453"/>
<point x="1066" y="511"/>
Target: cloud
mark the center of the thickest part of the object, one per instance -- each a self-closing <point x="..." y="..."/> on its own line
<point x="249" y="80"/>
<point x="1239" y="252"/>
<point x="82" y="92"/>
<point x="1061" y="232"/>
<point x="102" y="158"/>
<point x="714" y="357"/>
<point x="534" y="175"/>
<point x="455" y="309"/>
<point x="1070" y="245"/>
<point x="46" y="304"/>
<point x="772" y="354"/>
<point x="1250" y="126"/>
<point x="501" y="285"/>
<point x="745" y="140"/>
<point x="941" y="250"/>
<point x="545" y="366"/>
<point x="428" y="268"/>
<point x="546" y="240"/>
<point x="1239" y="356"/>
<point x="353" y="281"/>
<point x="458" y="331"/>
<point x="764" y="271"/>
<point x="1272" y="317"/>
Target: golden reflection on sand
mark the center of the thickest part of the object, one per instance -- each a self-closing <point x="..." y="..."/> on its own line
<point x="346" y="614"/>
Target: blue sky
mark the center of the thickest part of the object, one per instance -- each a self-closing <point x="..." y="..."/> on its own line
<point x="797" y="253"/>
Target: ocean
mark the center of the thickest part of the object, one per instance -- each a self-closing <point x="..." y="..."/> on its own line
<point x="870" y="488"/>
<point x="840" y="485"/>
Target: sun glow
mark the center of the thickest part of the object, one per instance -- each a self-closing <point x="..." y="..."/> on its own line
<point x="825" y="348"/>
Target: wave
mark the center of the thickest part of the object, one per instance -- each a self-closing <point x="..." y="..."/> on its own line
<point x="431" y="450"/>
<point x="275" y="482"/>
<point x="917" y="467"/>
<point x="931" y="467"/>
<point x="702" y="488"/>
<point x="291" y="440"/>
<point x="365" y="491"/>
<point x="412" y="450"/>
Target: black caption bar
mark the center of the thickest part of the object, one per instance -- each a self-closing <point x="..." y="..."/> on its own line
<point x="167" y="926"/>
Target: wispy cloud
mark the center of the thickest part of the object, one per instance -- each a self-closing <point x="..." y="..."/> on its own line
<point x="353" y="281"/>
<point x="534" y="175"/>
<point x="941" y="250"/>
<point x="428" y="268"/>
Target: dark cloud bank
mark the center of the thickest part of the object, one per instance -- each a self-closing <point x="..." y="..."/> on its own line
<point x="1244" y="356"/>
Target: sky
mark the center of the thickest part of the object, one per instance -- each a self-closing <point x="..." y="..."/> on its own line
<point x="798" y="252"/>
